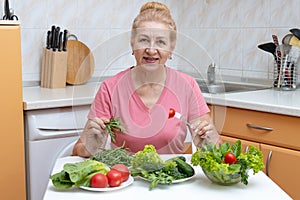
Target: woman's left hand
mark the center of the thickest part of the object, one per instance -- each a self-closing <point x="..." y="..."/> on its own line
<point x="203" y="130"/>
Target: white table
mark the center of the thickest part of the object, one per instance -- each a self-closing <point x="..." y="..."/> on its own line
<point x="199" y="187"/>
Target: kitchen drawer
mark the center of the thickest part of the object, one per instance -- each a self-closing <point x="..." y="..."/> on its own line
<point x="284" y="131"/>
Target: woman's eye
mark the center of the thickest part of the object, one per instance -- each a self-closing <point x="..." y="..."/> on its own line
<point x="143" y="40"/>
<point x="162" y="43"/>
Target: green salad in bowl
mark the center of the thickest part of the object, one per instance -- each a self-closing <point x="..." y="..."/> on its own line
<point x="227" y="165"/>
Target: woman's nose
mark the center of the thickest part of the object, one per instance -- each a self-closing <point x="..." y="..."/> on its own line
<point x="151" y="50"/>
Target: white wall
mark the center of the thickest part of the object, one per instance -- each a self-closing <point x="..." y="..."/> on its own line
<point x="224" y="31"/>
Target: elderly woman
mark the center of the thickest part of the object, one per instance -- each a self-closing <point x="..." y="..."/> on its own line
<point x="142" y="95"/>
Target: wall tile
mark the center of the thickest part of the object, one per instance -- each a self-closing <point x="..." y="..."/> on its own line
<point x="226" y="32"/>
<point x="255" y="13"/>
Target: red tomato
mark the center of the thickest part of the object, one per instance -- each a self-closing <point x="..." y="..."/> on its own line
<point x="114" y="178"/>
<point x="171" y="112"/>
<point x="230" y="158"/>
<point x="123" y="169"/>
<point x="99" y="180"/>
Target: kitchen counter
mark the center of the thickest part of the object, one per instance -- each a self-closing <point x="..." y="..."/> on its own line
<point x="259" y="187"/>
<point x="42" y="98"/>
<point x="267" y="100"/>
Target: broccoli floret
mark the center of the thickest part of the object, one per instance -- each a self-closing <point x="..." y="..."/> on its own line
<point x="146" y="160"/>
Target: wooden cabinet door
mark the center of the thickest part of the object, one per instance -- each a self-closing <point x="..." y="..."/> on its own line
<point x="261" y="127"/>
<point x="245" y="143"/>
<point x="12" y="167"/>
<point x="283" y="168"/>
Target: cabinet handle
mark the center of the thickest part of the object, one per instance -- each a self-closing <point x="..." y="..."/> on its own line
<point x="247" y="149"/>
<point x="260" y="127"/>
<point x="268" y="162"/>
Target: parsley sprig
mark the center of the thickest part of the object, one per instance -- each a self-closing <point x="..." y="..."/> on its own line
<point x="113" y="127"/>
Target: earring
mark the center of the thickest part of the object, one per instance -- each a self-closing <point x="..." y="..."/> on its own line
<point x="132" y="53"/>
<point x="170" y="57"/>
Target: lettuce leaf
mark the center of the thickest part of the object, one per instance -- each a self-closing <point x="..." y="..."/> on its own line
<point x="78" y="174"/>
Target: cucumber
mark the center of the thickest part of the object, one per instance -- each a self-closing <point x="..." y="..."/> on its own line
<point x="184" y="167"/>
<point x="181" y="158"/>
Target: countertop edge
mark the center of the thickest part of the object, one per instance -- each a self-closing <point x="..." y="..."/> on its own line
<point x="38" y="98"/>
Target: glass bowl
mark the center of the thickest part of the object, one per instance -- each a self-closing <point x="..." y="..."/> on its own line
<point x="221" y="178"/>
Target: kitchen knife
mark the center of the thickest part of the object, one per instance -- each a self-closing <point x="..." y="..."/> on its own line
<point x="48" y="42"/>
<point x="65" y="40"/>
<point x="6" y="10"/>
<point x="60" y="41"/>
<point x="57" y="30"/>
<point x="53" y="37"/>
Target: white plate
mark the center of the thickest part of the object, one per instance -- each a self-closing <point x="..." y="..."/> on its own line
<point x="175" y="181"/>
<point x="123" y="185"/>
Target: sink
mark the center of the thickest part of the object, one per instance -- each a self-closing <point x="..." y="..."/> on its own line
<point x="227" y="87"/>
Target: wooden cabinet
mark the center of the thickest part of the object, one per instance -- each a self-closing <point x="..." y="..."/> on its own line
<point x="282" y="166"/>
<point x="276" y="135"/>
<point x="12" y="168"/>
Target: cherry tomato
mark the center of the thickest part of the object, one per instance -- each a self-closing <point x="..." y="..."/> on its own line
<point x="99" y="180"/>
<point x="230" y="158"/>
<point x="114" y="178"/>
<point x="123" y="169"/>
<point x="171" y="112"/>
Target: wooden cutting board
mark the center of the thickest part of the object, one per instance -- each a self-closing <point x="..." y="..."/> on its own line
<point x="80" y="63"/>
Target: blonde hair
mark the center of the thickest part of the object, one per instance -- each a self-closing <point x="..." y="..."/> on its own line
<point x="157" y="12"/>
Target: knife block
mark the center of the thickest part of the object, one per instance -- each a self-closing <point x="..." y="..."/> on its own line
<point x="54" y="69"/>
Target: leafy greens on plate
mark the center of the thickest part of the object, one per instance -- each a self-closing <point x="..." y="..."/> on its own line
<point x="149" y="165"/>
<point x="78" y="174"/>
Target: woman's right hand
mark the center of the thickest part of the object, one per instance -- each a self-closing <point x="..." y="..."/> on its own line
<point x="93" y="137"/>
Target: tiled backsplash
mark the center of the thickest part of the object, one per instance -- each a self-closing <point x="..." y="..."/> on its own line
<point x="226" y="32"/>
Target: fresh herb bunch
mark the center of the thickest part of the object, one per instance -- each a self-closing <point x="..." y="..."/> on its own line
<point x="114" y="126"/>
<point x="113" y="156"/>
<point x="211" y="159"/>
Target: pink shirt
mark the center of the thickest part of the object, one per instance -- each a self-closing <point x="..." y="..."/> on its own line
<point x="117" y="98"/>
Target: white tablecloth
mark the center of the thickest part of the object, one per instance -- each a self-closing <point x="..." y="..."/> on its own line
<point x="199" y="187"/>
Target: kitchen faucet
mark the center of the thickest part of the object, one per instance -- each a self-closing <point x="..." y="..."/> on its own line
<point x="211" y="74"/>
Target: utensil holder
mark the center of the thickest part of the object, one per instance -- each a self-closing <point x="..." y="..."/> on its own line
<point x="54" y="69"/>
<point x="285" y="67"/>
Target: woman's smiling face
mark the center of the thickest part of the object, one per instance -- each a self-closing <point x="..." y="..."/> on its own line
<point x="152" y="43"/>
